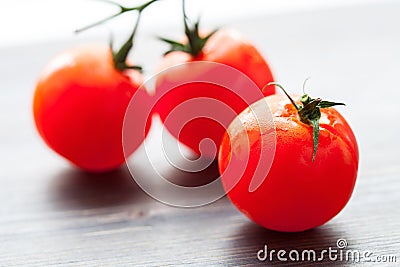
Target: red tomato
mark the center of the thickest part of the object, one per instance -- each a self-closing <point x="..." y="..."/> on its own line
<point x="79" y="108"/>
<point x="193" y="81"/>
<point x="297" y="193"/>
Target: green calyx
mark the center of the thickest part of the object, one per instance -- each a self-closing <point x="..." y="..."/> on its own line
<point x="310" y="112"/>
<point x="120" y="56"/>
<point x="195" y="43"/>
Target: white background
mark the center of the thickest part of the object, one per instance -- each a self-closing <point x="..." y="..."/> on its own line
<point x="27" y="21"/>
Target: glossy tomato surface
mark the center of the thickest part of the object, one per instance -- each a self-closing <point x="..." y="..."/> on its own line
<point x="79" y="107"/>
<point x="297" y="193"/>
<point x="194" y="81"/>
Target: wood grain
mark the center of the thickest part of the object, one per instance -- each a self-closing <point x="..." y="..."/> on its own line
<point x="52" y="214"/>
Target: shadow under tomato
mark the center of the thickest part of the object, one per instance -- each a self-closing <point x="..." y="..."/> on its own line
<point x="252" y="238"/>
<point x="75" y="189"/>
<point x="192" y="179"/>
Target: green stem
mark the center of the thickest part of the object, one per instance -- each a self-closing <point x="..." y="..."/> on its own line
<point x="195" y="43"/>
<point x="122" y="10"/>
<point x="97" y="23"/>
<point x="121" y="55"/>
<point x="189" y="33"/>
<point x="309" y="112"/>
<point x="283" y="89"/>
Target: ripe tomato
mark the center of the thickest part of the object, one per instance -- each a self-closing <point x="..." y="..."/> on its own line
<point x="79" y="108"/>
<point x="298" y="193"/>
<point x="194" y="81"/>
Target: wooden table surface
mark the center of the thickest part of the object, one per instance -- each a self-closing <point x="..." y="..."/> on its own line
<point x="53" y="214"/>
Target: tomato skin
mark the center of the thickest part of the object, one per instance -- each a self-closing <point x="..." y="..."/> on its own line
<point x="297" y="194"/>
<point x="79" y="107"/>
<point x="226" y="47"/>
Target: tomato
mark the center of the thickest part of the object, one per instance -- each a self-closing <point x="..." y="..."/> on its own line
<point x="297" y="191"/>
<point x="79" y="107"/>
<point x="196" y="81"/>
